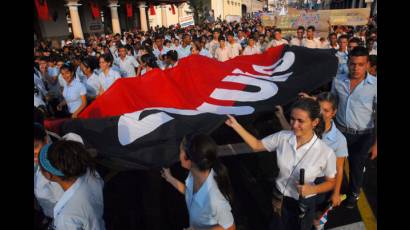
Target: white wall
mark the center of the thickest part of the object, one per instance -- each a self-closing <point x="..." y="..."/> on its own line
<point x="217" y="6"/>
<point x="172" y="19"/>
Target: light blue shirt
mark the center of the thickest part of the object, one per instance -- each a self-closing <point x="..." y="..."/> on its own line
<point x="158" y="53"/>
<point x="355" y="110"/>
<point x="207" y="207"/>
<point x="342" y="66"/>
<point x="92" y="85"/>
<point x="72" y="94"/>
<point x="82" y="205"/>
<point x="53" y="71"/>
<point x="106" y="81"/>
<point x="80" y="75"/>
<point x="205" y="52"/>
<point x="47" y="192"/>
<point x="336" y="141"/>
<point x="183" y="52"/>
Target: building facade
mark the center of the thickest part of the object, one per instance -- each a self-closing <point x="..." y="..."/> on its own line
<point x="74" y="17"/>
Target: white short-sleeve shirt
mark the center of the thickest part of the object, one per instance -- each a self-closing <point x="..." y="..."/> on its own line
<point x="127" y="66"/>
<point x="275" y="42"/>
<point x="222" y="54"/>
<point x="72" y="94"/>
<point x="106" y="81"/>
<point x="296" y="42"/>
<point x="207" y="207"/>
<point x="251" y="50"/>
<point x="235" y="49"/>
<point x="311" y="43"/>
<point x="318" y="160"/>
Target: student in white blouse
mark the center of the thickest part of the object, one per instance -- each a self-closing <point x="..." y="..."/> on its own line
<point x="296" y="149"/>
<point x="89" y="66"/>
<point x="310" y="41"/>
<point x="251" y="48"/>
<point x="81" y="206"/>
<point x="222" y="53"/>
<point x="74" y="92"/>
<point x="206" y="196"/>
<point x="278" y="40"/>
<point x="236" y="48"/>
<point x="127" y="64"/>
<point x="108" y="76"/>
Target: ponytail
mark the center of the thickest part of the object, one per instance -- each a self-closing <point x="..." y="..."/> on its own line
<point x="222" y="179"/>
<point x="202" y="151"/>
<point x="320" y="127"/>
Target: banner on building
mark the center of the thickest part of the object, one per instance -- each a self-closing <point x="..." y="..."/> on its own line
<point x="320" y="19"/>
<point x="232" y="18"/>
<point x="95" y="10"/>
<point x="351" y="17"/>
<point x="186" y="21"/>
<point x="42" y="10"/>
<point x="128" y="6"/>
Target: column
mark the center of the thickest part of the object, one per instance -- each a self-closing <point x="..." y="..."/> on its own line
<point x="75" y="18"/>
<point x="361" y="4"/>
<point x="164" y="15"/>
<point x="115" y="21"/>
<point x="143" y="16"/>
<point x="353" y="4"/>
<point x="369" y="3"/>
<point x="180" y="12"/>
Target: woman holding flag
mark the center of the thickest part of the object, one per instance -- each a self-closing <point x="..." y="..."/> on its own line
<point x="297" y="150"/>
<point x="333" y="138"/>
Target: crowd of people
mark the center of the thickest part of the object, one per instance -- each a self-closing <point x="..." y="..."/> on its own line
<point x="324" y="129"/>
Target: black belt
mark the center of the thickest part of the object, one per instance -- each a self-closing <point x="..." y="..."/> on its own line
<point x="353" y="131"/>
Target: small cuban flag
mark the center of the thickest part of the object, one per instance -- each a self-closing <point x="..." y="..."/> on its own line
<point x="323" y="218"/>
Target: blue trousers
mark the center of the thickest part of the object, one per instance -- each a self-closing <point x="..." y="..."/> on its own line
<point x="358" y="147"/>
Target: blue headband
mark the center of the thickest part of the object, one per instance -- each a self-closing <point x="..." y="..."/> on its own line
<point x="45" y="163"/>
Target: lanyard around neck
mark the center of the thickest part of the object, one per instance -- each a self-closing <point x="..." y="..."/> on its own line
<point x="303" y="157"/>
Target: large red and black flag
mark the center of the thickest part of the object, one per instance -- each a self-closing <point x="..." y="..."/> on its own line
<point x="139" y="122"/>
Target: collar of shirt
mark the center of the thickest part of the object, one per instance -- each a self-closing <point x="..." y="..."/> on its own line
<point x="67" y="196"/>
<point x="369" y="79"/>
<point x="293" y="143"/>
<point x="331" y="134"/>
<point x="202" y="194"/>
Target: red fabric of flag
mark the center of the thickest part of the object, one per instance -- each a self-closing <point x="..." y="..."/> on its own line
<point x="42" y="10"/>
<point x="95" y="10"/>
<point x="172" y="9"/>
<point x="151" y="10"/>
<point x="129" y="9"/>
<point x="185" y="86"/>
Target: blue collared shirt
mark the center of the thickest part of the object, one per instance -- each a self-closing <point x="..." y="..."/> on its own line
<point x="183" y="52"/>
<point x="336" y="141"/>
<point x="207" y="207"/>
<point x="356" y="109"/>
<point x="82" y="205"/>
<point x="342" y="67"/>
